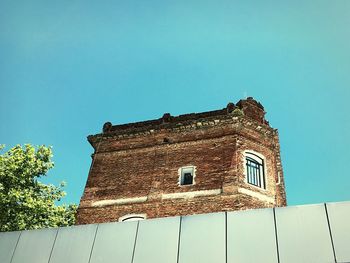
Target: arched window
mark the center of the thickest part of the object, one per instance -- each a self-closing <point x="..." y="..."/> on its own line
<point x="255" y="170"/>
<point x="132" y="217"/>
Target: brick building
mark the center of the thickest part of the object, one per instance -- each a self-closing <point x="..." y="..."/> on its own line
<point x="220" y="160"/>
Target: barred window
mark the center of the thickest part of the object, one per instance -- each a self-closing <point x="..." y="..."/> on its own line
<point x="255" y="174"/>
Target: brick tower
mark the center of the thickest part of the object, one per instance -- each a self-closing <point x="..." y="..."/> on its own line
<point x="220" y="160"/>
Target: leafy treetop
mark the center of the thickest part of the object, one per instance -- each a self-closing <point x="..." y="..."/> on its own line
<point x="25" y="202"/>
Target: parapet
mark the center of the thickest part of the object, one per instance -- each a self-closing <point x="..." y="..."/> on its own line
<point x="248" y="108"/>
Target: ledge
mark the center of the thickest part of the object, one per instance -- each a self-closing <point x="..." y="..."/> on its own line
<point x="192" y="194"/>
<point x="256" y="195"/>
<point x="120" y="201"/>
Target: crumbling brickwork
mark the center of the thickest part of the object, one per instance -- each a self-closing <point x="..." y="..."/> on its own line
<point x="135" y="167"/>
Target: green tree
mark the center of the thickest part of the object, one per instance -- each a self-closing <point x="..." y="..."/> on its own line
<point x="25" y="202"/>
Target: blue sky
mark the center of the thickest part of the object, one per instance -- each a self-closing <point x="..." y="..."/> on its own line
<point x="67" y="67"/>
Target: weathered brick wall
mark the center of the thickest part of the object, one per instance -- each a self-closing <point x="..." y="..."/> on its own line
<point x="135" y="166"/>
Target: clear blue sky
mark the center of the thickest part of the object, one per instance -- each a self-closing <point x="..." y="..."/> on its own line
<point x="66" y="67"/>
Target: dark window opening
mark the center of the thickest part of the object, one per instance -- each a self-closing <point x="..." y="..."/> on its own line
<point x="187" y="176"/>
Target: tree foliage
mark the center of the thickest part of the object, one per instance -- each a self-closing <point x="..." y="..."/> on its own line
<point x="25" y="202"/>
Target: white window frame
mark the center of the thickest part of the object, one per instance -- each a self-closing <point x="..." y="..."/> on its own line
<point x="132" y="217"/>
<point x="182" y="170"/>
<point x="253" y="155"/>
<point x="278" y="178"/>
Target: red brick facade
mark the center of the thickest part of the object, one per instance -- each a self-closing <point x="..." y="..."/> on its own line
<point x="135" y="167"/>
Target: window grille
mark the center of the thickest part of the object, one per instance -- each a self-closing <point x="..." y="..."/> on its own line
<point x="255" y="170"/>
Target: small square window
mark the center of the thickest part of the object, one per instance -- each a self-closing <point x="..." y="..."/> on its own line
<point x="187" y="175"/>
